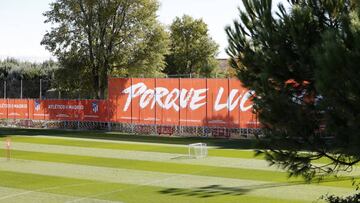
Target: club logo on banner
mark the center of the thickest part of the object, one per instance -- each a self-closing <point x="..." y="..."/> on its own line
<point x="37" y="105"/>
<point x="95" y="106"/>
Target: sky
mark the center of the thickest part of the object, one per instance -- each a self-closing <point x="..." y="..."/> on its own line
<point x="22" y="23"/>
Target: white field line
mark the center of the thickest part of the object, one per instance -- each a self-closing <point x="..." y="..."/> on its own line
<point x="40" y="190"/>
<point x="169" y="180"/>
<point x="136" y="186"/>
<point x="155" y="156"/>
<point x="115" y="175"/>
<point x="130" y="188"/>
<point x="21" y="195"/>
<point x="94" y="196"/>
<point x="125" y="142"/>
<point x="111" y="141"/>
<point x="143" y="156"/>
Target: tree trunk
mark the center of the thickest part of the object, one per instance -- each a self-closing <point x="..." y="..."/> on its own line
<point x="103" y="80"/>
<point x="96" y="82"/>
<point x="102" y="88"/>
<point x="96" y="87"/>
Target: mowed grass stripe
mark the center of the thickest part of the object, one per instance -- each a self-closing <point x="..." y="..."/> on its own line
<point x="160" y="148"/>
<point x="232" y="153"/>
<point x="180" y="184"/>
<point x="225" y="172"/>
<point x="226" y="148"/>
<point x="152" y="156"/>
<point x="147" y="156"/>
<point x="20" y="195"/>
<point x="211" y="171"/>
<point x="119" y="175"/>
<point x="85" y="189"/>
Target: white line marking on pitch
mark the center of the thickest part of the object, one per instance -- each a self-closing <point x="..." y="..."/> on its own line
<point x="43" y="190"/>
<point x="150" y="183"/>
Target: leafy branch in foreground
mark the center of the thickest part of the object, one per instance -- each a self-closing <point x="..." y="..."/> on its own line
<point x="302" y="62"/>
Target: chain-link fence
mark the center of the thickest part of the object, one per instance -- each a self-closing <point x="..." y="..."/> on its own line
<point x="48" y="89"/>
<point x="37" y="89"/>
<point x="138" y="129"/>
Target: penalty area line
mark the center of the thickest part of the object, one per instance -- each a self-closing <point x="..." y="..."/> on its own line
<point x="150" y="183"/>
<point x="44" y="190"/>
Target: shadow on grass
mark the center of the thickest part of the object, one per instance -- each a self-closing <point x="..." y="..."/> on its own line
<point x="219" y="190"/>
<point x="216" y="142"/>
<point x="205" y="192"/>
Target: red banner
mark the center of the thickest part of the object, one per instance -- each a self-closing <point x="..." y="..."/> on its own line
<point x="14" y="108"/>
<point x="184" y="102"/>
<point x="180" y="102"/>
<point x="193" y="109"/>
<point x="69" y="110"/>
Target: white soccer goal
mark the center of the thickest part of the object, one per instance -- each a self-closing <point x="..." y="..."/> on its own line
<point x="198" y="150"/>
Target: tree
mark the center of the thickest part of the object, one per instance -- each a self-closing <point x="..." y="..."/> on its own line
<point x="26" y="76"/>
<point x="95" y="38"/>
<point x="302" y="63"/>
<point x="192" y="51"/>
<point x="337" y="59"/>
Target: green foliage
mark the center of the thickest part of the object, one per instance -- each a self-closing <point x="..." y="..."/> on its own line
<point x="192" y="51"/>
<point x="302" y="63"/>
<point x="12" y="68"/>
<point x="95" y="39"/>
<point x="338" y="82"/>
<point x="13" y="71"/>
<point x="73" y="80"/>
<point x="350" y="199"/>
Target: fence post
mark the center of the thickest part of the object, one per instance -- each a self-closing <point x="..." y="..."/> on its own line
<point x="4" y="89"/>
<point x="108" y="114"/>
<point x="21" y="89"/>
<point x="40" y="95"/>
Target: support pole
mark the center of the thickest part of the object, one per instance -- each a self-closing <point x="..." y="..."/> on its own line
<point x="21" y="88"/>
<point x="4" y="89"/>
<point x="40" y="95"/>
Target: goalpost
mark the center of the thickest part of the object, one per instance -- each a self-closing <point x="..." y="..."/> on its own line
<point x="198" y="150"/>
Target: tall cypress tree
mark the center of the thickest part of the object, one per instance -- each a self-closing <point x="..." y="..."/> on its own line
<point x="285" y="57"/>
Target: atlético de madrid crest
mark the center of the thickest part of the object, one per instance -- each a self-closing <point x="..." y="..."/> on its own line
<point x="95" y="106"/>
<point x="37" y="105"/>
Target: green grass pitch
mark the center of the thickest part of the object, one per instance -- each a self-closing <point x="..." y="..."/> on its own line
<point x="73" y="166"/>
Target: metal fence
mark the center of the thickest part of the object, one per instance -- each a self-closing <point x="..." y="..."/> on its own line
<point x="139" y="129"/>
<point x="37" y="89"/>
<point x="47" y="89"/>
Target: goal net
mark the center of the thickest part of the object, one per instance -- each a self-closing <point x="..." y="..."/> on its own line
<point x="198" y="150"/>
